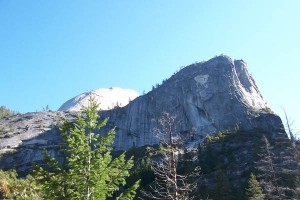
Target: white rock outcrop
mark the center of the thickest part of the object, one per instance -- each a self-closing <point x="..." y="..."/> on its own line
<point x="108" y="98"/>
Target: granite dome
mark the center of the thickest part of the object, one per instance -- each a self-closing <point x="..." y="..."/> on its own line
<point x="108" y="98"/>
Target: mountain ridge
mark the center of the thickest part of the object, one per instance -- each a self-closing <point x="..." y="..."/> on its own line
<point x="206" y="97"/>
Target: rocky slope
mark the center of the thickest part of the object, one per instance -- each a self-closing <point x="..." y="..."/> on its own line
<point x="206" y="97"/>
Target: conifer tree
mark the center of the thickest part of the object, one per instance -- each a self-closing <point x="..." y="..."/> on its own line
<point x="90" y="172"/>
<point x="254" y="190"/>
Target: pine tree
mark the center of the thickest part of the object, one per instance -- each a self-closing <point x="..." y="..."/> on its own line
<point x="254" y="190"/>
<point x="90" y="171"/>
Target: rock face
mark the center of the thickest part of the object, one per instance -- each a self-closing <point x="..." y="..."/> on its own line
<point x="23" y="138"/>
<point x="108" y="98"/>
<point x="207" y="97"/>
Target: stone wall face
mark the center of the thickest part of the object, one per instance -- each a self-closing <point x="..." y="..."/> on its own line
<point x="206" y="97"/>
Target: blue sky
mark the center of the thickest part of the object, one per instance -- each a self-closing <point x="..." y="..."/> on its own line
<point x="51" y="51"/>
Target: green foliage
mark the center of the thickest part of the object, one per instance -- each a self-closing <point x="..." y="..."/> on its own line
<point x="130" y="192"/>
<point x="254" y="190"/>
<point x="142" y="169"/>
<point x="52" y="178"/>
<point x="91" y="172"/>
<point x="5" y="112"/>
<point x="144" y="172"/>
<point x="20" y="189"/>
<point x="213" y="138"/>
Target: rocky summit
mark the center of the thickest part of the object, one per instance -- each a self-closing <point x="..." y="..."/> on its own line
<point x="205" y="97"/>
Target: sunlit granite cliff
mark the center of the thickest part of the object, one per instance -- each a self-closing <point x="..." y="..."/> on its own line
<point x="206" y="97"/>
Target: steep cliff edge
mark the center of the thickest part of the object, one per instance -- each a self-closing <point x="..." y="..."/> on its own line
<point x="206" y="97"/>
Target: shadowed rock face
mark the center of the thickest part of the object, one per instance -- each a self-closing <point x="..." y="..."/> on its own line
<point x="206" y="97"/>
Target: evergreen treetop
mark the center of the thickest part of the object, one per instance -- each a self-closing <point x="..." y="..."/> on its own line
<point x="254" y="190"/>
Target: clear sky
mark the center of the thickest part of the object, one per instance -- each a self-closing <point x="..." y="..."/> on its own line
<point x="51" y="51"/>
